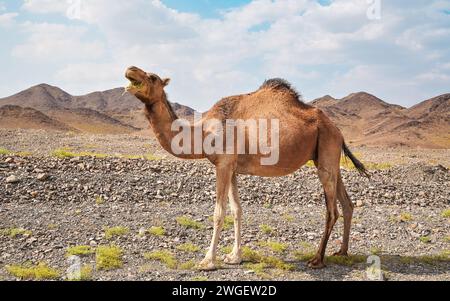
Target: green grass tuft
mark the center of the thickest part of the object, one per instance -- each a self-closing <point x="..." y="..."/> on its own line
<point x="376" y="251"/>
<point x="4" y="151"/>
<point x="64" y="153"/>
<point x="80" y="251"/>
<point x="164" y="257"/>
<point x="109" y="258"/>
<point x="157" y="231"/>
<point x="115" y="232"/>
<point x="99" y="200"/>
<point x="266" y="229"/>
<point x="188" y="222"/>
<point x="259" y="269"/>
<point x="405" y="217"/>
<point x="427" y="259"/>
<point x="346" y="260"/>
<point x="39" y="272"/>
<point x="425" y="239"/>
<point x="188" y="247"/>
<point x="14" y="232"/>
<point x="189" y="265"/>
<point x="274" y="246"/>
<point x="304" y="255"/>
<point x="446" y="213"/>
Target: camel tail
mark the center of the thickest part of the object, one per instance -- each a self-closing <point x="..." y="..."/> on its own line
<point x="358" y="164"/>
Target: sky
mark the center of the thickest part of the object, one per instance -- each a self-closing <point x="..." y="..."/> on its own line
<point x="398" y="50"/>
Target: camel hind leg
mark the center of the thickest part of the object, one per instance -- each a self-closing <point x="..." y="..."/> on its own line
<point x="347" y="208"/>
<point x="328" y="170"/>
<point x="328" y="155"/>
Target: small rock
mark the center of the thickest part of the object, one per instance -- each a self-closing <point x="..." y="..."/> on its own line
<point x="359" y="203"/>
<point x="12" y="179"/>
<point x="9" y="160"/>
<point x="42" y="177"/>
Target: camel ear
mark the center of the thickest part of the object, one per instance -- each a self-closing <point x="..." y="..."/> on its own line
<point x="166" y="82"/>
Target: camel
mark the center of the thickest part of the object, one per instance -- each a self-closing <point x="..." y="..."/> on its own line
<point x="305" y="133"/>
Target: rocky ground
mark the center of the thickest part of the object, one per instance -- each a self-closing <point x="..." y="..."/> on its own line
<point x="63" y="202"/>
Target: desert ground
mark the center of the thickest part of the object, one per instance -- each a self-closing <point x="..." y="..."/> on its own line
<point x="129" y="211"/>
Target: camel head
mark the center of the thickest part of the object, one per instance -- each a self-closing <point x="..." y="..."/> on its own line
<point x="147" y="87"/>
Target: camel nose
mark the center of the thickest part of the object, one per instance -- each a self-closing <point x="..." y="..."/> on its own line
<point x="131" y="69"/>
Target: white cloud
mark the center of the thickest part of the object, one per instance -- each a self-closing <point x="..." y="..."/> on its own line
<point x="46" y="6"/>
<point x="7" y="20"/>
<point x="321" y="49"/>
<point x="56" y="42"/>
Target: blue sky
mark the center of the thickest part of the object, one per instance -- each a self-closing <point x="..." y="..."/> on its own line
<point x="215" y="48"/>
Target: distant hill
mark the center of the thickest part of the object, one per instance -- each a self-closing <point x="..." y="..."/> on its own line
<point x="363" y="118"/>
<point x="367" y="120"/>
<point x="28" y="118"/>
<point x="106" y="112"/>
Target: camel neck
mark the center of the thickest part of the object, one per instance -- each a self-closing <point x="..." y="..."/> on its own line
<point x="161" y="117"/>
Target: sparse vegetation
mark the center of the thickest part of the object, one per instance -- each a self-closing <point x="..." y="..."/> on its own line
<point x="188" y="247"/>
<point x="289" y="218"/>
<point x="304" y="255"/>
<point x="425" y="239"/>
<point x="28" y="272"/>
<point x="80" y="251"/>
<point x="14" y="232"/>
<point x="164" y="257"/>
<point x="375" y="251"/>
<point x="4" y="151"/>
<point x="405" y="217"/>
<point x="115" y="232"/>
<point x="188" y="222"/>
<point x="189" y="265"/>
<point x="258" y="268"/>
<point x="23" y="154"/>
<point x="85" y="273"/>
<point x="274" y="246"/>
<point x="427" y="259"/>
<point x="108" y="257"/>
<point x="346" y="260"/>
<point x="227" y="249"/>
<point x="200" y="278"/>
<point x="64" y="153"/>
<point x="99" y="200"/>
<point x="446" y="213"/>
<point x="266" y="229"/>
<point x="157" y="231"/>
<point x="253" y="256"/>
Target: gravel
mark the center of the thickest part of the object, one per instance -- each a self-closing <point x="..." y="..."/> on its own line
<point x="58" y="200"/>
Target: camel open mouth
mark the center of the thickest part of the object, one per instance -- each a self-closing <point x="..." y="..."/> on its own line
<point x="134" y="83"/>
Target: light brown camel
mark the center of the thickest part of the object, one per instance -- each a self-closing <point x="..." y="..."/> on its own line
<point x="305" y="133"/>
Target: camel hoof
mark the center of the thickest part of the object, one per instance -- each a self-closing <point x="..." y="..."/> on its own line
<point x="207" y="265"/>
<point x="316" y="263"/>
<point x="232" y="259"/>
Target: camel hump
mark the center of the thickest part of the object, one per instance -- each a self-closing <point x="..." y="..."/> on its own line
<point x="281" y="84"/>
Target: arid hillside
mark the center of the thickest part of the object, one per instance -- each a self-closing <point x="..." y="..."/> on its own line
<point x="364" y="119"/>
<point x="107" y="112"/>
<point x="368" y="120"/>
